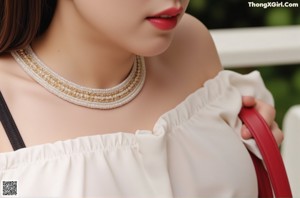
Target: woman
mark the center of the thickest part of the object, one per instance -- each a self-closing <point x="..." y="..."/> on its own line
<point x="122" y="99"/>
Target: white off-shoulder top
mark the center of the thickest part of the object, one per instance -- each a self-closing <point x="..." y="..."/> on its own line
<point x="194" y="150"/>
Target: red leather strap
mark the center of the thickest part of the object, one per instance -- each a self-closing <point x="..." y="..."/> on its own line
<point x="263" y="181"/>
<point x="269" y="150"/>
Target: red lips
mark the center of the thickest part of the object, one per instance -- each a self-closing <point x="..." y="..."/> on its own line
<point x="165" y="20"/>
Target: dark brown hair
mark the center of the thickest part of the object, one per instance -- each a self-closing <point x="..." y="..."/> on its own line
<point x="23" y="20"/>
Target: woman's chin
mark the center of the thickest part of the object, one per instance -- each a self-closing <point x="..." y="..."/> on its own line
<point x="153" y="50"/>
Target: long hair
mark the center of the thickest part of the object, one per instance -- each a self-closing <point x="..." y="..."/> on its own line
<point x="23" y="20"/>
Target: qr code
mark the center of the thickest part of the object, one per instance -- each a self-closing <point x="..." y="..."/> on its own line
<point x="9" y="188"/>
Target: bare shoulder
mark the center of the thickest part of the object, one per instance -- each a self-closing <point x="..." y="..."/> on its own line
<point x="6" y="74"/>
<point x="5" y="69"/>
<point x="10" y="73"/>
<point x="192" y="53"/>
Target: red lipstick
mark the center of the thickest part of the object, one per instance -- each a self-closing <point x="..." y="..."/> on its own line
<point x="165" y="20"/>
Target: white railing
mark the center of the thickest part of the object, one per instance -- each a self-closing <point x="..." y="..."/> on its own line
<point x="248" y="47"/>
<point x="242" y="47"/>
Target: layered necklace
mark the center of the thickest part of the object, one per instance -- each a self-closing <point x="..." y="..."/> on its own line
<point x="109" y="98"/>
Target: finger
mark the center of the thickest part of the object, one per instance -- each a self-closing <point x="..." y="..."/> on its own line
<point x="277" y="133"/>
<point x="267" y="111"/>
<point x="248" y="101"/>
<point x="246" y="133"/>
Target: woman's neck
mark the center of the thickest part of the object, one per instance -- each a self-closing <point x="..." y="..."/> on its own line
<point x="79" y="56"/>
<point x="88" y="66"/>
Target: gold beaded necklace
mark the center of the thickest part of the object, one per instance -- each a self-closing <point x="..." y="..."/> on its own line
<point x="88" y="97"/>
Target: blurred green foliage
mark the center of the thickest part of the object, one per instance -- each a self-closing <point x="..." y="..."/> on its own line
<point x="283" y="81"/>
<point x="237" y="13"/>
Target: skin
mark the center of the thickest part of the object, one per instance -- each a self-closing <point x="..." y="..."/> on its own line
<point x="268" y="113"/>
<point x="93" y="44"/>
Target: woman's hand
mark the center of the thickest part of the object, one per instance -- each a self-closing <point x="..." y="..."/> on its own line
<point x="268" y="113"/>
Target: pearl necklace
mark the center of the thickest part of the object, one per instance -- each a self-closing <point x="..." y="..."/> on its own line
<point x="88" y="97"/>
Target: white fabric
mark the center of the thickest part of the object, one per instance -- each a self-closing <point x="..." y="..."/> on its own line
<point x="194" y="150"/>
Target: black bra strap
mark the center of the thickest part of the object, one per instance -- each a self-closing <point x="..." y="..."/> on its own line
<point x="10" y="126"/>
